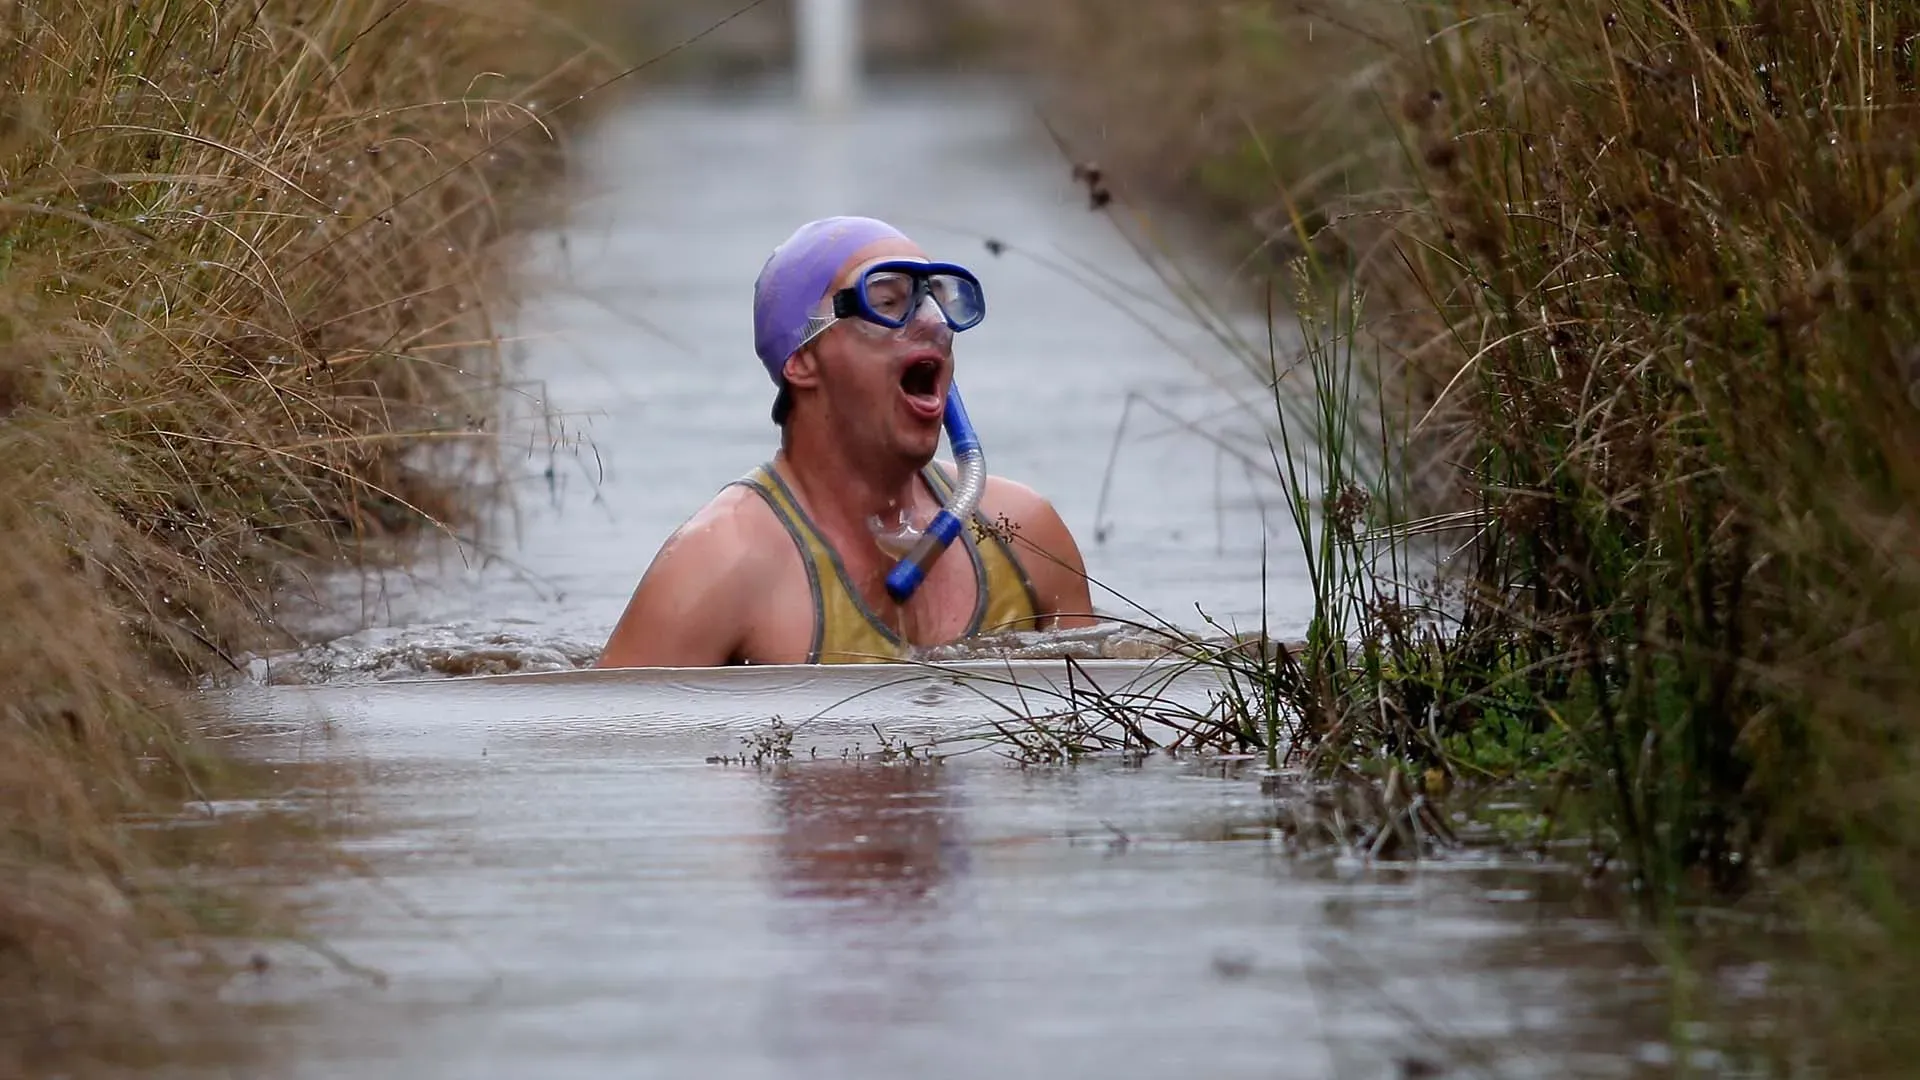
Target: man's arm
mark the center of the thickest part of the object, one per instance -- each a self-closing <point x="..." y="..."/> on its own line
<point x="689" y="609"/>
<point x="1047" y="552"/>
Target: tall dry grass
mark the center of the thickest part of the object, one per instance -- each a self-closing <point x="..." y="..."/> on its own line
<point x="247" y="300"/>
<point x="1642" y="280"/>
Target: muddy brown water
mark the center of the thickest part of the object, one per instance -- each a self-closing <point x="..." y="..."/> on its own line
<point x="573" y="873"/>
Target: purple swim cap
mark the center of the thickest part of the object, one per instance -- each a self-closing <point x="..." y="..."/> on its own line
<point x="797" y="277"/>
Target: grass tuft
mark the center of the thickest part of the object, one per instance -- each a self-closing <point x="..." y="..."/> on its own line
<point x="246" y="299"/>
<point x="1634" y="285"/>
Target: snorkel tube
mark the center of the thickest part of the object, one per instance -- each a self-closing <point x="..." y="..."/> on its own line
<point x="907" y="574"/>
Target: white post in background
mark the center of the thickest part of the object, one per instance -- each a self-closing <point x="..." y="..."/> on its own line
<point x="828" y="67"/>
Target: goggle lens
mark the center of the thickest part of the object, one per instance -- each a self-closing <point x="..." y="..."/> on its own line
<point x="891" y="294"/>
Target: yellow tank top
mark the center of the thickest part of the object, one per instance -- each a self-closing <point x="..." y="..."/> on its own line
<point x="845" y="631"/>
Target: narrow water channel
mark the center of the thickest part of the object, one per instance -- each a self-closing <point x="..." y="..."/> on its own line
<point x="574" y="875"/>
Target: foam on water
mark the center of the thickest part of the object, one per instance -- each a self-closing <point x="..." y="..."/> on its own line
<point x="458" y="649"/>
<point x="424" y="652"/>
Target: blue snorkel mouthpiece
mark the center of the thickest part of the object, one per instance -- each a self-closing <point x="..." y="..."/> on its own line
<point x="907" y="574"/>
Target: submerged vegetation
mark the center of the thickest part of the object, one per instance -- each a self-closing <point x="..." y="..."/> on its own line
<point x="245" y="294"/>
<point x="1635" y="283"/>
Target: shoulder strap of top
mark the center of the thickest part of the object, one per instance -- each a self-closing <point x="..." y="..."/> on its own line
<point x="766" y="484"/>
<point x="845" y="629"/>
<point x="1008" y="600"/>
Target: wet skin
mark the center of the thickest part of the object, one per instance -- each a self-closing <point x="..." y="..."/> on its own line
<point x="729" y="586"/>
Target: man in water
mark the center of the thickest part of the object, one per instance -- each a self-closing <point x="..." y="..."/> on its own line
<point x="787" y="565"/>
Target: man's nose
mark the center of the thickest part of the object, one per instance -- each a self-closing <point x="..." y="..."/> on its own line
<point x="928" y="320"/>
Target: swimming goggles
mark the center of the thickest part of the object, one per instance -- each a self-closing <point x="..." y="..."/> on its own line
<point x="891" y="293"/>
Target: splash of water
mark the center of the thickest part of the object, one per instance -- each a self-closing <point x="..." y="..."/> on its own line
<point x="454" y="650"/>
<point x="424" y="652"/>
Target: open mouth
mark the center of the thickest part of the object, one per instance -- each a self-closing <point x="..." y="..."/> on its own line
<point x="921" y="379"/>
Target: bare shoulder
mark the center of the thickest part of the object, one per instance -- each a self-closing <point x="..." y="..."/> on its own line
<point x="693" y="605"/>
<point x="1016" y="506"/>
<point x="720" y="544"/>
<point x="1040" y="539"/>
<point x="736" y="521"/>
<point x="1011" y="495"/>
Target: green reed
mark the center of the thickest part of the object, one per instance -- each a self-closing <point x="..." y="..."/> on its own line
<point x="1641" y="326"/>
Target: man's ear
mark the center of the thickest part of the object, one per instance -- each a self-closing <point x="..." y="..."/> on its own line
<point x="803" y="368"/>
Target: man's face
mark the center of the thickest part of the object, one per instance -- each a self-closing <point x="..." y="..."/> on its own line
<point x="885" y="390"/>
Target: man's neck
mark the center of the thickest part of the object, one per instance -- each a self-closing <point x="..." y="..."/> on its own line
<point x="838" y="490"/>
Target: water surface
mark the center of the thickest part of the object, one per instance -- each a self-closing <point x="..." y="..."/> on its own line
<point x="568" y="878"/>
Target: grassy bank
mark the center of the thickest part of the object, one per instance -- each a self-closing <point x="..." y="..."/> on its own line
<point x="1636" y="283"/>
<point x="246" y="299"/>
